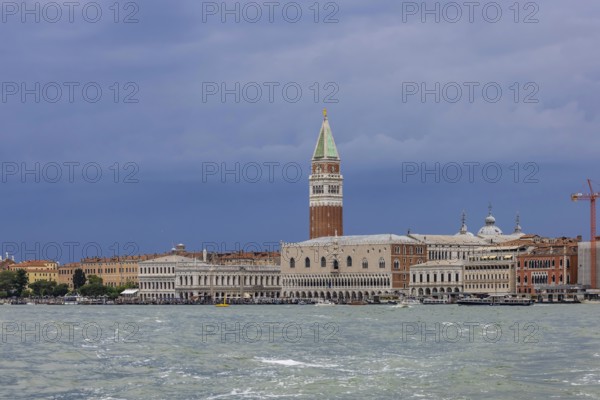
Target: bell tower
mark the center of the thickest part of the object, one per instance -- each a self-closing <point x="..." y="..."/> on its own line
<point x="325" y="184"/>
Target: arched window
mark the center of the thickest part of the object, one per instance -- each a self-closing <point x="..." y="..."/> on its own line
<point x="381" y="263"/>
<point x="396" y="264"/>
<point x="365" y="263"/>
<point x="335" y="264"/>
<point x="348" y="261"/>
<point x="323" y="262"/>
<point x="292" y="263"/>
<point x="307" y="262"/>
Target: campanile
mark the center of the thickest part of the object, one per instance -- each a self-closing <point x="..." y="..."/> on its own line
<point x="325" y="184"/>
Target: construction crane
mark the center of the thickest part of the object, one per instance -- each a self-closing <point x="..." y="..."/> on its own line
<point x="591" y="196"/>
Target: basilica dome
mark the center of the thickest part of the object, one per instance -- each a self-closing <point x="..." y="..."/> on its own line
<point x="490" y="228"/>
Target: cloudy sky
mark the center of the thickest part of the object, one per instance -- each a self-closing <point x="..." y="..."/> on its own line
<point x="135" y="127"/>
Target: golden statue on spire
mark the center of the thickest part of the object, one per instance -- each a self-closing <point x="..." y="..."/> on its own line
<point x="325" y="113"/>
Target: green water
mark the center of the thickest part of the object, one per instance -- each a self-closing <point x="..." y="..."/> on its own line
<point x="306" y="352"/>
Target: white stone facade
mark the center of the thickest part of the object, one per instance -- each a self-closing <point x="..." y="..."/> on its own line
<point x="349" y="267"/>
<point x="174" y="277"/>
<point x="441" y="278"/>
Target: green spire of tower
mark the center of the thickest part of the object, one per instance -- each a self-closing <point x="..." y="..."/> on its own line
<point x="325" y="148"/>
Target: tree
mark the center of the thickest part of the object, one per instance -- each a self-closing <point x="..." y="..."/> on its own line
<point x="79" y="278"/>
<point x="43" y="288"/>
<point x="21" y="281"/>
<point x="93" y="290"/>
<point x="95" y="279"/>
<point x="60" y="290"/>
<point x="7" y="282"/>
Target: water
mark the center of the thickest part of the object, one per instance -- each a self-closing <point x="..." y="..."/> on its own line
<point x="304" y="352"/>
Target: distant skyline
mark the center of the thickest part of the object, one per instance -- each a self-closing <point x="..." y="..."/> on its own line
<point x="390" y="82"/>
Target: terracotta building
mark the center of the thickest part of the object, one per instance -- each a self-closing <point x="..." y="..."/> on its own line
<point x="547" y="263"/>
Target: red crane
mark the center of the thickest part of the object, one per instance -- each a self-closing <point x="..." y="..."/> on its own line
<point x="591" y="196"/>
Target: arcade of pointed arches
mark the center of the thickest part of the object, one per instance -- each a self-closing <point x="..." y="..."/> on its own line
<point x="345" y="286"/>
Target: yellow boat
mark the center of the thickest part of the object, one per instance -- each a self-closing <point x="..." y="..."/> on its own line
<point x="224" y="303"/>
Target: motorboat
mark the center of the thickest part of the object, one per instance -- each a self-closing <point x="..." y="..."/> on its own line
<point x="324" y="303"/>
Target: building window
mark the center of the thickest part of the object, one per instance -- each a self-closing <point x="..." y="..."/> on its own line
<point x="323" y="262"/>
<point x="348" y="261"/>
<point x="292" y="263"/>
<point x="396" y="264"/>
<point x="307" y="262"/>
<point x="318" y="189"/>
<point x="334" y="189"/>
<point x="381" y="263"/>
<point x="365" y="263"/>
<point x="335" y="264"/>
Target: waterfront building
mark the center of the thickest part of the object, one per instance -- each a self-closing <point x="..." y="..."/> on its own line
<point x="492" y="270"/>
<point x="174" y="277"/>
<point x="38" y="270"/>
<point x="198" y="280"/>
<point x="584" y="258"/>
<point x="547" y="263"/>
<point x="157" y="277"/>
<point x="349" y="267"/>
<point x="326" y="186"/>
<point x="65" y="273"/>
<point x="437" y="278"/>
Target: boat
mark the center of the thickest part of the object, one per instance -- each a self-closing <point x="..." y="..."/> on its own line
<point x="400" y="305"/>
<point x="411" y="302"/>
<point x="71" y="299"/>
<point x="224" y="303"/>
<point x="389" y="299"/>
<point x="502" y="300"/>
<point x="357" y="303"/>
<point x="432" y="301"/>
<point x="324" y="303"/>
<point x="474" y="301"/>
